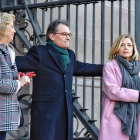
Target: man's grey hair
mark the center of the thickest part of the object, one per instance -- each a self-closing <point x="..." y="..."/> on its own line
<point x="52" y="28"/>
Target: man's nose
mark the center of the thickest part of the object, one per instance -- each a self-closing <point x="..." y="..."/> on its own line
<point x="68" y="37"/>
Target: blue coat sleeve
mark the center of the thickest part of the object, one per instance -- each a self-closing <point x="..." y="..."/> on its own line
<point x="86" y="69"/>
<point x="29" y="62"/>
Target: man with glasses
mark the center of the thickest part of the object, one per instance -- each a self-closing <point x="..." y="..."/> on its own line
<point x="55" y="65"/>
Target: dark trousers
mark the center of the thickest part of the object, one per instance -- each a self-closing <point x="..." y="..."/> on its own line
<point x="2" y="135"/>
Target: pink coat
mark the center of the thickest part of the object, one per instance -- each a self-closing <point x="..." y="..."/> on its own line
<point x="110" y="124"/>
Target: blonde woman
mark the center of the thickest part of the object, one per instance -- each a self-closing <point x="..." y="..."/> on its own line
<point x="121" y="88"/>
<point x="9" y="86"/>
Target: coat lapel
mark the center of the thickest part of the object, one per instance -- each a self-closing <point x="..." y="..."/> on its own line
<point x="6" y="54"/>
<point x="117" y="68"/>
<point x="55" y="56"/>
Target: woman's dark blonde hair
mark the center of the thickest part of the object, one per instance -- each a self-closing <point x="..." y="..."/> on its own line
<point x="116" y="46"/>
<point x="5" y="20"/>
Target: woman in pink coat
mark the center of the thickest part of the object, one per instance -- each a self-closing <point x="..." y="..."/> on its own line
<point x="121" y="92"/>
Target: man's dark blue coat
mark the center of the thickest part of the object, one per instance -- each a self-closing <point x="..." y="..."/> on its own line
<point x="52" y="107"/>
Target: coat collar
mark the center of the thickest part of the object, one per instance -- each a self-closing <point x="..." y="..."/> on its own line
<point x="115" y="62"/>
<point x="55" y="55"/>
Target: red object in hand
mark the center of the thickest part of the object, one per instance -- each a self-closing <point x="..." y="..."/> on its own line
<point x="29" y="74"/>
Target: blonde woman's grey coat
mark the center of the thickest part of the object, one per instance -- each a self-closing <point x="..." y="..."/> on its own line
<point x="8" y="86"/>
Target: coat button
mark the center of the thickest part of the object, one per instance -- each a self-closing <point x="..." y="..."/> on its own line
<point x="64" y="75"/>
<point x="63" y="107"/>
<point x="66" y="91"/>
<point x="12" y="67"/>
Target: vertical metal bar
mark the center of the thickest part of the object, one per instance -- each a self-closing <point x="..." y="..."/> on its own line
<point x="35" y="20"/>
<point x="43" y="22"/>
<point x="129" y="17"/>
<point x="68" y="14"/>
<point x="120" y="17"/>
<point x="112" y="12"/>
<point x="59" y="12"/>
<point x="76" y="43"/>
<point x="102" y="43"/>
<point x="85" y="35"/>
<point x="137" y="23"/>
<point x="1" y="4"/>
<point x="35" y="13"/>
<point x="93" y="58"/>
<point x="51" y="13"/>
<point x="102" y="29"/>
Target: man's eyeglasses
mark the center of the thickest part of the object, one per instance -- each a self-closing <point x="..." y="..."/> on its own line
<point x="65" y="34"/>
